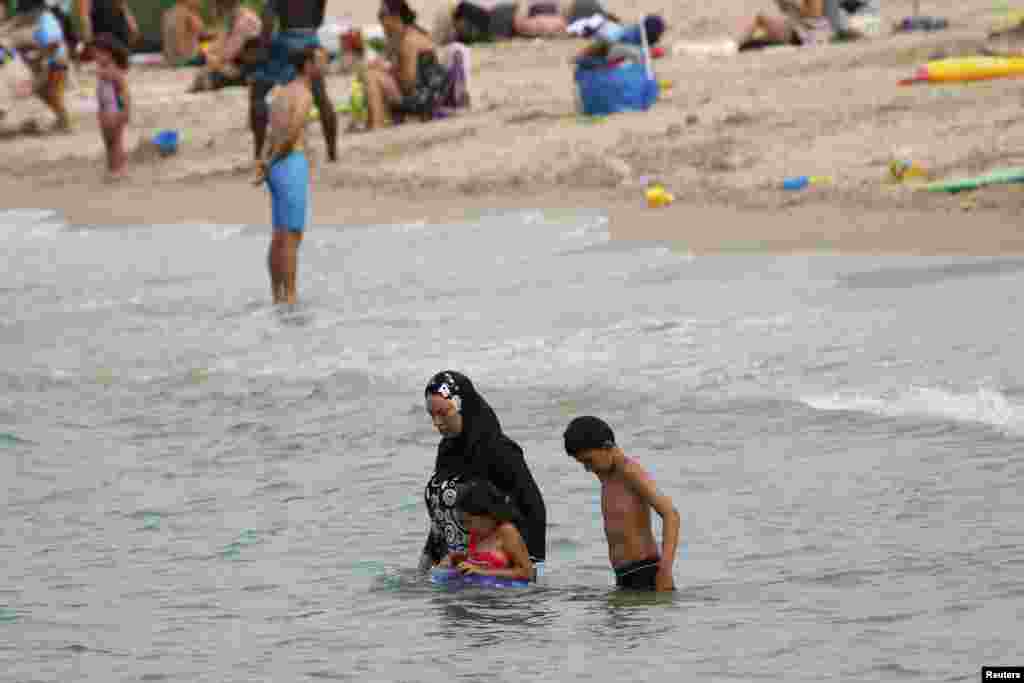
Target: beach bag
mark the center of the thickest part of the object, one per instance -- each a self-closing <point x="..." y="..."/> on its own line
<point x="17" y="78"/>
<point x="629" y="86"/>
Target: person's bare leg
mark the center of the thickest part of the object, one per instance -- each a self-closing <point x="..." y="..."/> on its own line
<point x="328" y="117"/>
<point x="120" y="155"/>
<point x="292" y="266"/>
<point x="53" y="96"/>
<point x="777" y="28"/>
<point x="275" y="264"/>
<point x="378" y="114"/>
<point x="108" y="141"/>
<point x="542" y="26"/>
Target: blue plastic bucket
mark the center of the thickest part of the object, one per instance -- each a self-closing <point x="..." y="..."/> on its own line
<point x="626" y="87"/>
<point x="166" y="141"/>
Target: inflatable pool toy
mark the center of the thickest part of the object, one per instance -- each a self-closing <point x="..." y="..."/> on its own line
<point x="443" y="576"/>
<point x="998" y="177"/>
<point x="963" y="69"/>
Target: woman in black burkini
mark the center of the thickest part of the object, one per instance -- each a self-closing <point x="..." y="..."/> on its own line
<point x="474" y="447"/>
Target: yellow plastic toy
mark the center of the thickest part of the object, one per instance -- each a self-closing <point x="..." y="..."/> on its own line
<point x="963" y="69"/>
<point x="657" y="197"/>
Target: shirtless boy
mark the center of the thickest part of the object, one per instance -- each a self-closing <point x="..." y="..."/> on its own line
<point x="285" y="169"/>
<point x="627" y="495"/>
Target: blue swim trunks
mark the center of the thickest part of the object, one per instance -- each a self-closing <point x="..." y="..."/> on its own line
<point x="288" y="180"/>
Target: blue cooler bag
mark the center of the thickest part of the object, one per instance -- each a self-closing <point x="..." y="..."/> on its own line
<point x="626" y="87"/>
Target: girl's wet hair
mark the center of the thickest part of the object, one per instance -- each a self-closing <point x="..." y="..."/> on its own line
<point x="401" y="9"/>
<point x="115" y="48"/>
<point x="482" y="498"/>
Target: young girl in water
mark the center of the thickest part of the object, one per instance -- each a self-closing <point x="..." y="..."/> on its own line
<point x="496" y="548"/>
<point x="113" y="99"/>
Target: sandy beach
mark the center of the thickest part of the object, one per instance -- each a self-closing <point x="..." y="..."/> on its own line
<point x="721" y="139"/>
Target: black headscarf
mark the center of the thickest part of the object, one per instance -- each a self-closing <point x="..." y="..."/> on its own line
<point x="480" y="426"/>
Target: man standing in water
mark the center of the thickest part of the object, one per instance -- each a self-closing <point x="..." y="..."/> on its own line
<point x="285" y="169"/>
<point x="299" y="21"/>
<point x="627" y="495"/>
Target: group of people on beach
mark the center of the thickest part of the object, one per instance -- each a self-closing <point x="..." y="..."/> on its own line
<point x="487" y="513"/>
<point x="279" y="57"/>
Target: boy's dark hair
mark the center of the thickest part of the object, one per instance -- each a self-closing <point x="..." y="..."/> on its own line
<point x="110" y="44"/>
<point x="299" y="58"/>
<point x="484" y="499"/>
<point x="587" y="432"/>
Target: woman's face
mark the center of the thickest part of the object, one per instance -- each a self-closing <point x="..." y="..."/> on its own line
<point x="445" y="415"/>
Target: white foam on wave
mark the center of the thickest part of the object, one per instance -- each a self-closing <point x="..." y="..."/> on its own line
<point x="22" y="216"/>
<point x="984" y="406"/>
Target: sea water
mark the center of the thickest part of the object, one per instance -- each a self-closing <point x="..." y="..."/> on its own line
<point x="201" y="487"/>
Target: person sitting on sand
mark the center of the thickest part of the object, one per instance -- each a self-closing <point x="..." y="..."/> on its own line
<point x="474" y="22"/>
<point x="234" y="51"/>
<point x="800" y="23"/>
<point x="611" y="41"/>
<point x="182" y="32"/>
<point x="415" y="82"/>
<point x="113" y="100"/>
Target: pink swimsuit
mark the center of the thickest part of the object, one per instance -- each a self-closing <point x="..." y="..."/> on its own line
<point x="492" y="559"/>
<point x="108" y="98"/>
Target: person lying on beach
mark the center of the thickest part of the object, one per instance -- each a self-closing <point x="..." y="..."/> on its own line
<point x="38" y="38"/>
<point x="183" y="32"/>
<point x="611" y="41"/>
<point x="236" y="49"/>
<point x="799" y="23"/>
<point x="627" y="495"/>
<point x="475" y="21"/>
<point x="285" y="169"/>
<point x="415" y="82"/>
<point x="113" y="100"/>
<point x="496" y="548"/>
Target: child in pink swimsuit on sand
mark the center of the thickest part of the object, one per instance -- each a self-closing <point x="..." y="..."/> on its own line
<point x="627" y="495"/>
<point x="496" y="548"/>
<point x="113" y="101"/>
